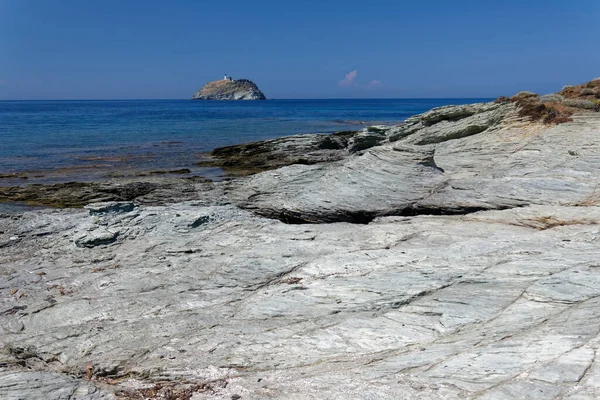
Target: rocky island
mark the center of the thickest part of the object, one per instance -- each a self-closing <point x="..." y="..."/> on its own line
<point x="452" y="256"/>
<point x="229" y="89"/>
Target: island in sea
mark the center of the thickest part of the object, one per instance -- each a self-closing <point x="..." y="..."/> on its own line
<point x="229" y="89"/>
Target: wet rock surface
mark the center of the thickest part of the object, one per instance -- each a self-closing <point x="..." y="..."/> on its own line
<point x="470" y="271"/>
<point x="308" y="149"/>
<point x="78" y="194"/>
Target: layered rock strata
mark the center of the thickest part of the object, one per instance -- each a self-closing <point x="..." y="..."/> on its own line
<point x="472" y="272"/>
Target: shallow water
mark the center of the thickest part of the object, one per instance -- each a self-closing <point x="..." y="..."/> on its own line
<point x="57" y="141"/>
<point x="12" y="207"/>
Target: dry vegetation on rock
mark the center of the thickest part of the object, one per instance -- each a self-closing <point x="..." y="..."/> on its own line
<point x="557" y="108"/>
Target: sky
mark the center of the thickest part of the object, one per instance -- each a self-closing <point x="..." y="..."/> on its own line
<point x="155" y="49"/>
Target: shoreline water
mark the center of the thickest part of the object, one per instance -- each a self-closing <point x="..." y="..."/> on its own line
<point x="46" y="142"/>
<point x="110" y="167"/>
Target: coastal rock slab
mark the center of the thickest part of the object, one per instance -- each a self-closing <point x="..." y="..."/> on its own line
<point x="486" y="305"/>
<point x="122" y="191"/>
<point x="342" y="191"/>
<point x="51" y="386"/>
<point x="456" y="128"/>
<point x="305" y="149"/>
<point x="511" y="163"/>
<point x="452" y="113"/>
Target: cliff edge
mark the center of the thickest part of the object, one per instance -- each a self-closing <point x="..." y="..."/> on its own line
<point x="229" y="89"/>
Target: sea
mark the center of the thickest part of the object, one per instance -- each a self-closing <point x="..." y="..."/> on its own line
<point x="62" y="141"/>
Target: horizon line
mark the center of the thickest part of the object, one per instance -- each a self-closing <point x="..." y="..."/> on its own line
<point x="249" y="101"/>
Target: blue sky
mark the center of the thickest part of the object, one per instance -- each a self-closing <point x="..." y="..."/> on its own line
<point x="109" y="49"/>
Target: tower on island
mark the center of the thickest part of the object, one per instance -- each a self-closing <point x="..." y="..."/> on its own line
<point x="227" y="78"/>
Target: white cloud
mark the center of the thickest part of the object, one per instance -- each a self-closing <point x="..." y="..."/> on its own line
<point x="348" y="79"/>
<point x="374" y="83"/>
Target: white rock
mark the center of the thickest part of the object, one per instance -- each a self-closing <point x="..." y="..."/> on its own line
<point x="215" y="301"/>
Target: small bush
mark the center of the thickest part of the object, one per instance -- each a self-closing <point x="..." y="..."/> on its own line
<point x="580" y="103"/>
<point x="548" y="113"/>
<point x="523" y="95"/>
<point x="559" y="107"/>
<point x="587" y="91"/>
<point x="551" y="98"/>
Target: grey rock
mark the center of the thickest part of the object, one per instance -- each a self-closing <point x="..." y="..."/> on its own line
<point x="96" y="237"/>
<point x="367" y="138"/>
<point x="404" y="130"/>
<point x="109" y="207"/>
<point x="494" y="304"/>
<point x="451" y="122"/>
<point x="145" y="190"/>
<point x="452" y="113"/>
<point x="455" y="128"/>
<point x="307" y="149"/>
<point x="13" y="326"/>
<point x="48" y="386"/>
<point x="508" y="165"/>
<point x="341" y="191"/>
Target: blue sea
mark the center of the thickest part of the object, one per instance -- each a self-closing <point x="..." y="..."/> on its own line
<point x="58" y="141"/>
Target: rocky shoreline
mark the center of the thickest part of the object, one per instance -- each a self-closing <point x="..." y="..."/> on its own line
<point x="454" y="255"/>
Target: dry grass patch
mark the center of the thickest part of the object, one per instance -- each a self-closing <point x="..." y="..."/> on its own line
<point x="548" y="222"/>
<point x="586" y="91"/>
<point x="557" y="108"/>
<point x="550" y="113"/>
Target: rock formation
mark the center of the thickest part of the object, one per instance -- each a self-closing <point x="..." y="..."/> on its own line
<point x="240" y="89"/>
<point x="495" y="164"/>
<point x="469" y="270"/>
